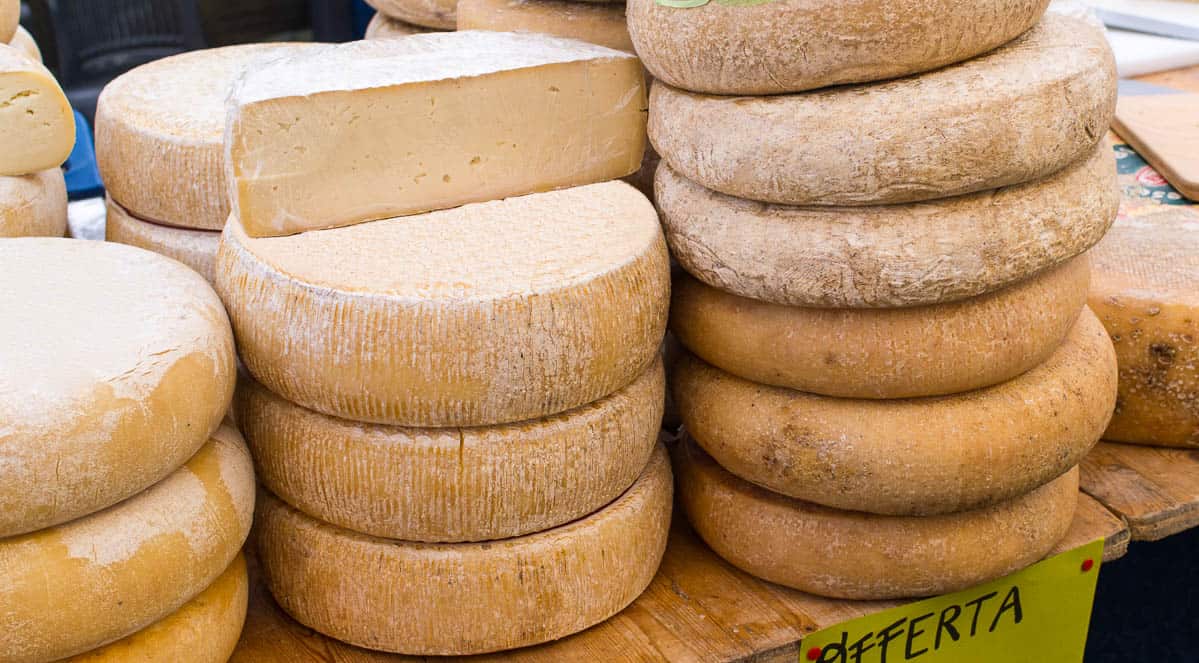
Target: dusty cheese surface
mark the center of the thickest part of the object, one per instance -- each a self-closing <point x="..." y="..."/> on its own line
<point x="383" y="26"/>
<point x="24" y="42"/>
<point x="33" y="205"/>
<point x="115" y="366"/>
<point x="37" y="127"/>
<point x="435" y="14"/>
<point x="194" y="248"/>
<point x="596" y="23"/>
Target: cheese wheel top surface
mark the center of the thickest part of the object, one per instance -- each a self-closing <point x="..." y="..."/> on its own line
<point x="194" y="248"/>
<point x="597" y="23"/>
<point x="34" y="205"/>
<point x="37" y="126"/>
<point x="383" y="26"/>
<point x="437" y="14"/>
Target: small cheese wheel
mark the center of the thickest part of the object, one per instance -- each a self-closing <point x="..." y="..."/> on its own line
<point x="37" y="126"/>
<point x="908" y="456"/>
<point x="436" y="14"/>
<point x="194" y="248"/>
<point x="889" y="255"/>
<point x="34" y="205"/>
<point x="467" y="598"/>
<point x="78" y="586"/>
<point x="1015" y="115"/>
<point x="24" y="42"/>
<point x="484" y="314"/>
<point x="107" y="386"/>
<point x="860" y="556"/>
<point x="383" y="26"/>
<point x="883" y="353"/>
<point x="10" y="18"/>
<point x="596" y="23"/>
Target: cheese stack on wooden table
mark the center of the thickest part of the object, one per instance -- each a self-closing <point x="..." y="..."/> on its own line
<point x="891" y="372"/>
<point x="400" y="18"/>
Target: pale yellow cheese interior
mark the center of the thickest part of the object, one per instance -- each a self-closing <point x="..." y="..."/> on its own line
<point x="37" y="127"/>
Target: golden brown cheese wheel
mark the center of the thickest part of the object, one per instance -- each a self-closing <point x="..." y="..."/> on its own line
<point x="10" y="18"/>
<point x="437" y="14"/>
<point x="194" y="248"/>
<point x="594" y="22"/>
<point x="383" y="26"/>
<point x="33" y="205"/>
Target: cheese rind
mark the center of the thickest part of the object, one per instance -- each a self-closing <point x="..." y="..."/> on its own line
<point x="883" y="353"/>
<point x="466" y="598"/>
<point x="913" y="456"/>
<point x="484" y="314"/>
<point x="108" y="386"/>
<point x="342" y="135"/>
<point x="859" y="556"/>
<point x="34" y="205"/>
<point x="596" y="23"/>
<point x="10" y="19"/>
<point x="37" y="126"/>
<point x="194" y="248"/>
<point x="1015" y="115"/>
<point x="890" y="255"/>
<point x="24" y="42"/>
<point x="78" y="586"/>
<point x="436" y="14"/>
<point x="383" y="26"/>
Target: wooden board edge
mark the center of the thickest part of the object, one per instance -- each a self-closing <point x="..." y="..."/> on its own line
<point x="1185" y="187"/>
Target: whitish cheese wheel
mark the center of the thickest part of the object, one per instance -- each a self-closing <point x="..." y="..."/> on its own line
<point x="597" y="23"/>
<point x="466" y="598"/>
<point x="115" y="366"/>
<point x="78" y="586"/>
<point x="1015" y="115"/>
<point x="471" y="116"/>
<point x="889" y="255"/>
<point x="437" y="14"/>
<point x="194" y="248"/>
<point x="883" y="353"/>
<point x="10" y="18"/>
<point x="37" y="126"/>
<point x="33" y="205"/>
<point x="485" y="314"/>
<point x="24" y="42"/>
<point x="160" y="134"/>
<point x="383" y="26"/>
<point x="1146" y="292"/>
<point x="861" y="556"/>
<point x="908" y="456"/>
<point x="204" y="630"/>
<point x="453" y="484"/>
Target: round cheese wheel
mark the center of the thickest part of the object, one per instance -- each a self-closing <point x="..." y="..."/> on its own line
<point x="75" y="587"/>
<point x="596" y="23"/>
<point x="467" y="598"/>
<point x="883" y="353"/>
<point x="908" y="456"/>
<point x="10" y="19"/>
<point x="33" y="205"/>
<point x="383" y="26"/>
<point x="24" y="42"/>
<point x="888" y="255"/>
<point x="108" y="385"/>
<point x="1015" y="115"/>
<point x="860" y="556"/>
<point x="484" y="314"/>
<point x="437" y="14"/>
<point x="194" y="248"/>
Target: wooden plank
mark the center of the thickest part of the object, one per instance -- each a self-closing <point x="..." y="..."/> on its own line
<point x="1164" y="129"/>
<point x="1180" y="79"/>
<point x="1155" y="490"/>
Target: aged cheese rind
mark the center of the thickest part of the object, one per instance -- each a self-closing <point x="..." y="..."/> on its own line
<point x="860" y="556"/>
<point x="1015" y="115"/>
<point x="107" y="386"/>
<point x="383" y="26"/>
<point x="33" y="205"/>
<point x="24" y="42"/>
<point x="343" y="135"/>
<point x="467" y="598"/>
<point x="194" y="248"/>
<point x="890" y="255"/>
<point x="912" y="456"/>
<point x="37" y="126"/>
<point x="437" y="14"/>
<point x="597" y="23"/>
<point x="78" y="586"/>
<point x="883" y="353"/>
<point x="10" y="18"/>
<point x="485" y="314"/>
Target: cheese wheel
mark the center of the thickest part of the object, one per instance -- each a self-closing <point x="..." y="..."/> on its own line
<point x="860" y="556"/>
<point x="467" y="598"/>
<point x="194" y="248"/>
<point x="485" y="314"/>
<point x="10" y="18"/>
<point x="24" y="42"/>
<point x="383" y="26"/>
<point x="890" y="255"/>
<point x="597" y="23"/>
<point x="160" y="134"/>
<point x="1146" y="292"/>
<point x="205" y="630"/>
<point x="436" y="14"/>
<point x="909" y="456"/>
<point x="34" y="205"/>
<point x="453" y="484"/>
<point x="1015" y="115"/>
<point x="883" y="353"/>
<point x="78" y="586"/>
<point x="37" y="126"/>
<point x="107" y="386"/>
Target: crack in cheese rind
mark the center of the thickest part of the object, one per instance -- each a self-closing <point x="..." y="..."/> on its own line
<point x="596" y="23"/>
<point x="194" y="248"/>
<point x="911" y="456"/>
<point x="860" y="556"/>
<point x="485" y="314"/>
<point x="37" y="126"/>
<point x="343" y="135"/>
<point x="10" y="18"/>
<point x="467" y="598"/>
<point x="24" y="42"/>
<point x="435" y="14"/>
<point x="383" y="26"/>
<point x="1015" y="115"/>
<point x="34" y="205"/>
<point x="92" y="581"/>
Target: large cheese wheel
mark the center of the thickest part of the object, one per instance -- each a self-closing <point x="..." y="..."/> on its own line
<point x="24" y="42"/>
<point x="37" y="126"/>
<point x="115" y="366"/>
<point x="437" y="14"/>
<point x="194" y="248"/>
<point x="383" y="26"/>
<point x="467" y="598"/>
<point x="883" y="353"/>
<point x="909" y="456"/>
<point x="889" y="255"/>
<point x="484" y="314"/>
<point x="1015" y="115"/>
<point x="851" y="555"/>
<point x="78" y="586"/>
<point x="597" y="23"/>
<point x="34" y="205"/>
<point x="10" y="18"/>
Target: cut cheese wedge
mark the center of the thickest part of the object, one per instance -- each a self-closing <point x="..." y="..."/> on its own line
<point x="850" y="555"/>
<point x="883" y="353"/>
<point x="467" y="598"/>
<point x="75" y="587"/>
<point x="24" y="42"/>
<point x="436" y="14"/>
<point x="909" y="456"/>
<point x="34" y="205"/>
<point x="1015" y="115"/>
<point x="194" y="248"/>
<point x="343" y="135"/>
<point x="889" y="255"/>
<point x="10" y="17"/>
<point x="117" y="365"/>
<point x="485" y="314"/>
<point x="37" y="126"/>
<point x="383" y="26"/>
<point x="596" y="23"/>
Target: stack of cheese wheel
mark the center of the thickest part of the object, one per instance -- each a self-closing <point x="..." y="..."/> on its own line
<point x="400" y="18"/>
<point x="455" y="412"/>
<point x="124" y="501"/>
<point x="892" y="373"/>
